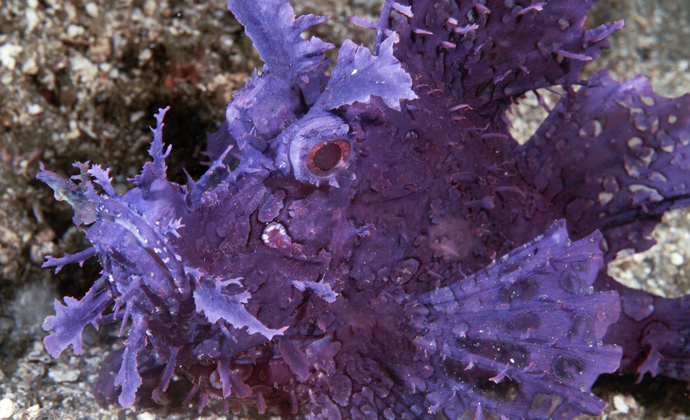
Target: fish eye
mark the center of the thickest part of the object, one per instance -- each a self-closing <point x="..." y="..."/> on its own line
<point x="328" y="157"/>
<point x="320" y="148"/>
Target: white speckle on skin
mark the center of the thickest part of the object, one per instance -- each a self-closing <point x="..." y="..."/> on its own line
<point x="605" y="198"/>
<point x="266" y="236"/>
<point x="275" y="236"/>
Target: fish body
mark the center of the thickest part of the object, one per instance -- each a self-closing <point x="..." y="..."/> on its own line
<point x="374" y="244"/>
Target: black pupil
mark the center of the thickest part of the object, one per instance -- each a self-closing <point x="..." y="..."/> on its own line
<point x="327" y="156"/>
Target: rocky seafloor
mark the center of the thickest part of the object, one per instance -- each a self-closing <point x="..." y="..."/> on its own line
<point x="80" y="80"/>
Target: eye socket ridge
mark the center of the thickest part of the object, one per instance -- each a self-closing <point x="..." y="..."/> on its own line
<point x="328" y="157"/>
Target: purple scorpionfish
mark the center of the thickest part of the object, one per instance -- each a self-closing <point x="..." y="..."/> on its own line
<point x="374" y="244"/>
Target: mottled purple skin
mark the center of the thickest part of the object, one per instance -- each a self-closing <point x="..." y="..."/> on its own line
<point x="347" y="268"/>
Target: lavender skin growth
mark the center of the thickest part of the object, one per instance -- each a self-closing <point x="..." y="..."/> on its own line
<point x="383" y="247"/>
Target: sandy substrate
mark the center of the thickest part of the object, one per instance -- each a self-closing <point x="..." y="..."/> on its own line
<point x="80" y="80"/>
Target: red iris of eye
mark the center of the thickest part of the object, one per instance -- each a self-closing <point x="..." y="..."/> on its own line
<point x="327" y="157"/>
